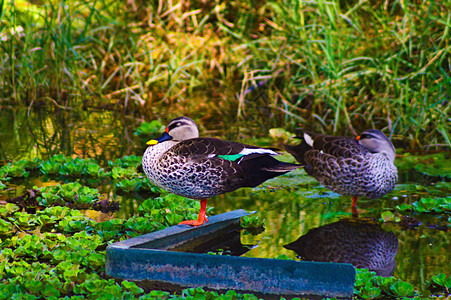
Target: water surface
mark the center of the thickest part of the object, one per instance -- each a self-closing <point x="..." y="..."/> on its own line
<point x="291" y="205"/>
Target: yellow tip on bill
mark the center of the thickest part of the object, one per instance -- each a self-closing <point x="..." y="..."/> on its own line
<point x="152" y="142"/>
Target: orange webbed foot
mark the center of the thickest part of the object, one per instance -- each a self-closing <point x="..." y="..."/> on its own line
<point x="201" y="218"/>
<point x="193" y="222"/>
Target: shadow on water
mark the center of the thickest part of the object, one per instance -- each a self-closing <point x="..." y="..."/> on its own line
<point x="292" y="205"/>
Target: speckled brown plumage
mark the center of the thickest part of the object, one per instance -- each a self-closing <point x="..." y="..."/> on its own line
<point x="199" y="168"/>
<point x="360" y="242"/>
<point x="349" y="166"/>
<point x="193" y="168"/>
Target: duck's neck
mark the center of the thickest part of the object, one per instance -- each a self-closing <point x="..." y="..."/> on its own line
<point x="155" y="151"/>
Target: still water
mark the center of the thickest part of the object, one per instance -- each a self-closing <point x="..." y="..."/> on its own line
<point x="293" y="206"/>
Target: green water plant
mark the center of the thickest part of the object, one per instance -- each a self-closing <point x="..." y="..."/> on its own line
<point x="125" y="162"/>
<point x="58" y="252"/>
<point x="428" y="205"/>
<point x="149" y="129"/>
<point x="82" y="167"/>
<point x="77" y="167"/>
<point x="72" y="194"/>
<point x="253" y="220"/>
<point x="53" y="164"/>
<point x="124" y="173"/>
<point x="170" y="209"/>
<point x="137" y="184"/>
<point x="440" y="283"/>
<point x="21" y="168"/>
<point x="370" y="286"/>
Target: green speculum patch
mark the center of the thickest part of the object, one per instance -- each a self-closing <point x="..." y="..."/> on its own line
<point x="233" y="157"/>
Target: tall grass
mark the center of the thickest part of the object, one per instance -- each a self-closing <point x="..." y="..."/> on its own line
<point x="334" y="66"/>
<point x="350" y="68"/>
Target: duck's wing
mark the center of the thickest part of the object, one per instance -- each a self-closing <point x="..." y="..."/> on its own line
<point x="337" y="146"/>
<point x="244" y="165"/>
<point x="213" y="147"/>
<point x="315" y="145"/>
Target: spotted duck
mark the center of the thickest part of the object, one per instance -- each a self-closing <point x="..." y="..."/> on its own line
<point x="360" y="166"/>
<point x="199" y="168"/>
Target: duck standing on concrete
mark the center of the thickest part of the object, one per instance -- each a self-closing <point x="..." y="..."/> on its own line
<point x="199" y="168"/>
<point x="357" y="167"/>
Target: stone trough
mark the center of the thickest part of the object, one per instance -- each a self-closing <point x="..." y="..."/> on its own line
<point x="156" y="261"/>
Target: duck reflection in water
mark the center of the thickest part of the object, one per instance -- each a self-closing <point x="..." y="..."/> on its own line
<point x="358" y="241"/>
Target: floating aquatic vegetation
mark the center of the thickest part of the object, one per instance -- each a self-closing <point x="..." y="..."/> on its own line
<point x="124" y="173"/>
<point x="253" y="221"/>
<point x="370" y="286"/>
<point x="136" y="185"/>
<point x="148" y="130"/>
<point x="18" y="169"/>
<point x="72" y="193"/>
<point x="440" y="284"/>
<point x="52" y="166"/>
<point x="428" y="205"/>
<point x="126" y="162"/>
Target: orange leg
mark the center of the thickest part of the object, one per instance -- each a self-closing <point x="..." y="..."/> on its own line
<point x="201" y="218"/>
<point x="354" y="206"/>
<point x="354" y="201"/>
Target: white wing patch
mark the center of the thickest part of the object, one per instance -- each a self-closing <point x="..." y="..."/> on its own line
<point x="211" y="155"/>
<point x="247" y="151"/>
<point x="308" y="139"/>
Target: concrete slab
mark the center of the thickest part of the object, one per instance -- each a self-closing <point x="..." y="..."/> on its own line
<point x="154" y="260"/>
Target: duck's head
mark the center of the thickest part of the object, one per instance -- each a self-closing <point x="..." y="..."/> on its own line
<point x="376" y="142"/>
<point x="179" y="129"/>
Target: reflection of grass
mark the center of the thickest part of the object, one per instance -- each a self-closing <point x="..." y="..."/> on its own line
<point x="331" y="65"/>
<point x="438" y="164"/>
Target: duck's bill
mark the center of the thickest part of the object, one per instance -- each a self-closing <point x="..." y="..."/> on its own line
<point x="164" y="137"/>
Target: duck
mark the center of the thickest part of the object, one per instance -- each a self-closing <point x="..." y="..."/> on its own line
<point x="183" y="163"/>
<point x="359" y="241"/>
<point x="361" y="166"/>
